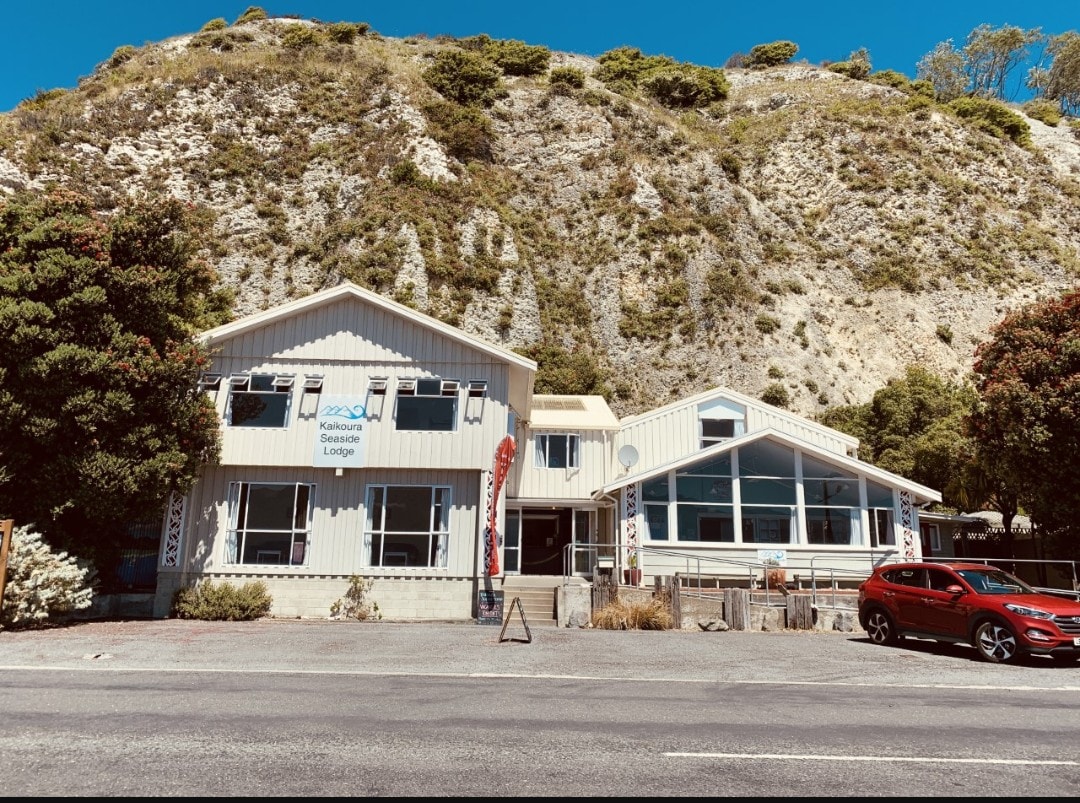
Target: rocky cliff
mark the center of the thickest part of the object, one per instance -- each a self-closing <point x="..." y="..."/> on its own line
<point x="807" y="238"/>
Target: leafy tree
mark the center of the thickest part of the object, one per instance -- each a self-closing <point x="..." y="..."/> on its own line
<point x="943" y="67"/>
<point x="913" y="427"/>
<point x="1062" y="80"/>
<point x="991" y="55"/>
<point x="982" y="67"/>
<point x="1028" y="381"/>
<point x="771" y="54"/>
<point x="100" y="417"/>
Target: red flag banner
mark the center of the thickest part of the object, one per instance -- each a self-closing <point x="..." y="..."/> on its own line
<point x="504" y="456"/>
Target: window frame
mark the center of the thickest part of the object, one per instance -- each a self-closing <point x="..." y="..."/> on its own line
<point x="377" y="501"/>
<point x="418" y="389"/>
<point x="542" y="454"/>
<point x="238" y="546"/>
<point x="276" y="386"/>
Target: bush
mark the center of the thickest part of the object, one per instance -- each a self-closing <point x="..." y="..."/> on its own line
<point x="666" y="80"/>
<point x="686" y="86"/>
<point x="465" y="77"/>
<point x="512" y="56"/>
<point x="41" y="584"/>
<point x="618" y="615"/>
<point x="771" y="54"/>
<point x="345" y="33"/>
<point x="1045" y="111"/>
<point x="766" y="324"/>
<point x="571" y="77"/>
<point x="298" y="36"/>
<point x="776" y="395"/>
<point x="223" y="602"/>
<point x="250" y="15"/>
<point x="993" y="117"/>
<point x="355" y="604"/>
<point x="464" y="130"/>
<point x="216" y="24"/>
<point x="121" y="55"/>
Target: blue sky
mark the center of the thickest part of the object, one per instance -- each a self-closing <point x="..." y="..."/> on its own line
<point x="45" y="45"/>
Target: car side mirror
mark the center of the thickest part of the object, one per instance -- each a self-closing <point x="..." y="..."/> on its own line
<point x="954" y="589"/>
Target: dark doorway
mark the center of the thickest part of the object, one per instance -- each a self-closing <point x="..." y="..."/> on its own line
<point x="544" y="537"/>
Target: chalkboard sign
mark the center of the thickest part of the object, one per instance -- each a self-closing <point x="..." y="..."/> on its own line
<point x="489" y="607"/>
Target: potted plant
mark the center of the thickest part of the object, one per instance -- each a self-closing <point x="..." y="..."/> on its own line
<point x="775" y="576"/>
<point x="632" y="574"/>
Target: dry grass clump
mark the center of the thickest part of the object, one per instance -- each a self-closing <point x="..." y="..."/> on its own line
<point x="619" y="615"/>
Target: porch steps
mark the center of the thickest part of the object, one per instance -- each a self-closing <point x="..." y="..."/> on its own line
<point x="537" y="596"/>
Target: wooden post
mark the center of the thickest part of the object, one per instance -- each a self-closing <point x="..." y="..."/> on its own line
<point x="737" y="608"/>
<point x="6" y="526"/>
<point x="800" y="612"/>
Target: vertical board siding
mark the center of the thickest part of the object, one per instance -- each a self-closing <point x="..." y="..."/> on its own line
<point x="337" y="526"/>
<point x="528" y="481"/>
<point x="323" y="341"/>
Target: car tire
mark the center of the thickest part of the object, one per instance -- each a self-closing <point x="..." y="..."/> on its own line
<point x="996" y="643"/>
<point x="879" y="626"/>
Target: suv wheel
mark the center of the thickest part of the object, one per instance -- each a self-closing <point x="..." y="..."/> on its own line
<point x="995" y="642"/>
<point x="880" y="627"/>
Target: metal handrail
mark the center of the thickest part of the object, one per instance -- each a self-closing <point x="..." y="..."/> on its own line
<point x="821" y="574"/>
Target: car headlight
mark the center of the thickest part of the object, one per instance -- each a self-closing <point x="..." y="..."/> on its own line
<point x="1024" y="610"/>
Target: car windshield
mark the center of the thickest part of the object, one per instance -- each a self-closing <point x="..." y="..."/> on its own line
<point x="993" y="581"/>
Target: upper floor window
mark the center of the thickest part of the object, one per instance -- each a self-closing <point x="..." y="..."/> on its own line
<point x="557" y="451"/>
<point x="269" y="523"/>
<point x="716" y="430"/>
<point x="259" y="400"/>
<point x="427" y="405"/>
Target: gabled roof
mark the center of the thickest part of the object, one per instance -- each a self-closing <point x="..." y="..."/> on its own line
<point x="748" y="401"/>
<point x="572" y="413"/>
<point x="522" y="369"/>
<point x="921" y="492"/>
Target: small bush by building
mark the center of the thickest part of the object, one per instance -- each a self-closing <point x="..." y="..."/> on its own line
<point x="223" y="602"/>
<point x="42" y="585"/>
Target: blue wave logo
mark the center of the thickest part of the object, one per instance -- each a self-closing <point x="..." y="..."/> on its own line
<point x="356" y="412"/>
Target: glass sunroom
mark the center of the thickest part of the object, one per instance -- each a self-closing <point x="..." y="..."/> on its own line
<point x="769" y="492"/>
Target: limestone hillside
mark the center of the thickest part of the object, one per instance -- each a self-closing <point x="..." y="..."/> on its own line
<point x="812" y="232"/>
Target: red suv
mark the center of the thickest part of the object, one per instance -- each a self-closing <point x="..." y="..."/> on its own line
<point x="968" y="603"/>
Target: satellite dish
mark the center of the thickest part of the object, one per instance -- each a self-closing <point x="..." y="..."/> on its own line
<point x="628" y="455"/>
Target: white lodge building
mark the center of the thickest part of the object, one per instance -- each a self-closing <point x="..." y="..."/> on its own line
<point x="360" y="437"/>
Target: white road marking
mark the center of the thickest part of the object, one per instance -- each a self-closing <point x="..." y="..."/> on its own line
<point x="909" y="759"/>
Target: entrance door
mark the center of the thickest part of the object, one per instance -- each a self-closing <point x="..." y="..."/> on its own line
<point x="543" y="537"/>
<point x="546" y="535"/>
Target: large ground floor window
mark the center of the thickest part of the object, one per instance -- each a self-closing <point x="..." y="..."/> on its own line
<point x="269" y="523"/>
<point x="407" y="525"/>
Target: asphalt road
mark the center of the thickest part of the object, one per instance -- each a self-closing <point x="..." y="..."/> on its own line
<point x="318" y="708"/>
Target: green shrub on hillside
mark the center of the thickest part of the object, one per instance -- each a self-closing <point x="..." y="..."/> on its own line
<point x="571" y="77"/>
<point x="513" y="57"/>
<point x="216" y="24"/>
<point x="771" y="54"/>
<point x="250" y="15"/>
<point x="223" y="602"/>
<point x="121" y="54"/>
<point x="465" y="131"/>
<point x="1045" y="111"/>
<point x="776" y="394"/>
<point x="299" y="36"/>
<point x="465" y="77"/>
<point x="675" y="84"/>
<point x="345" y="33"/>
<point x="994" y="118"/>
